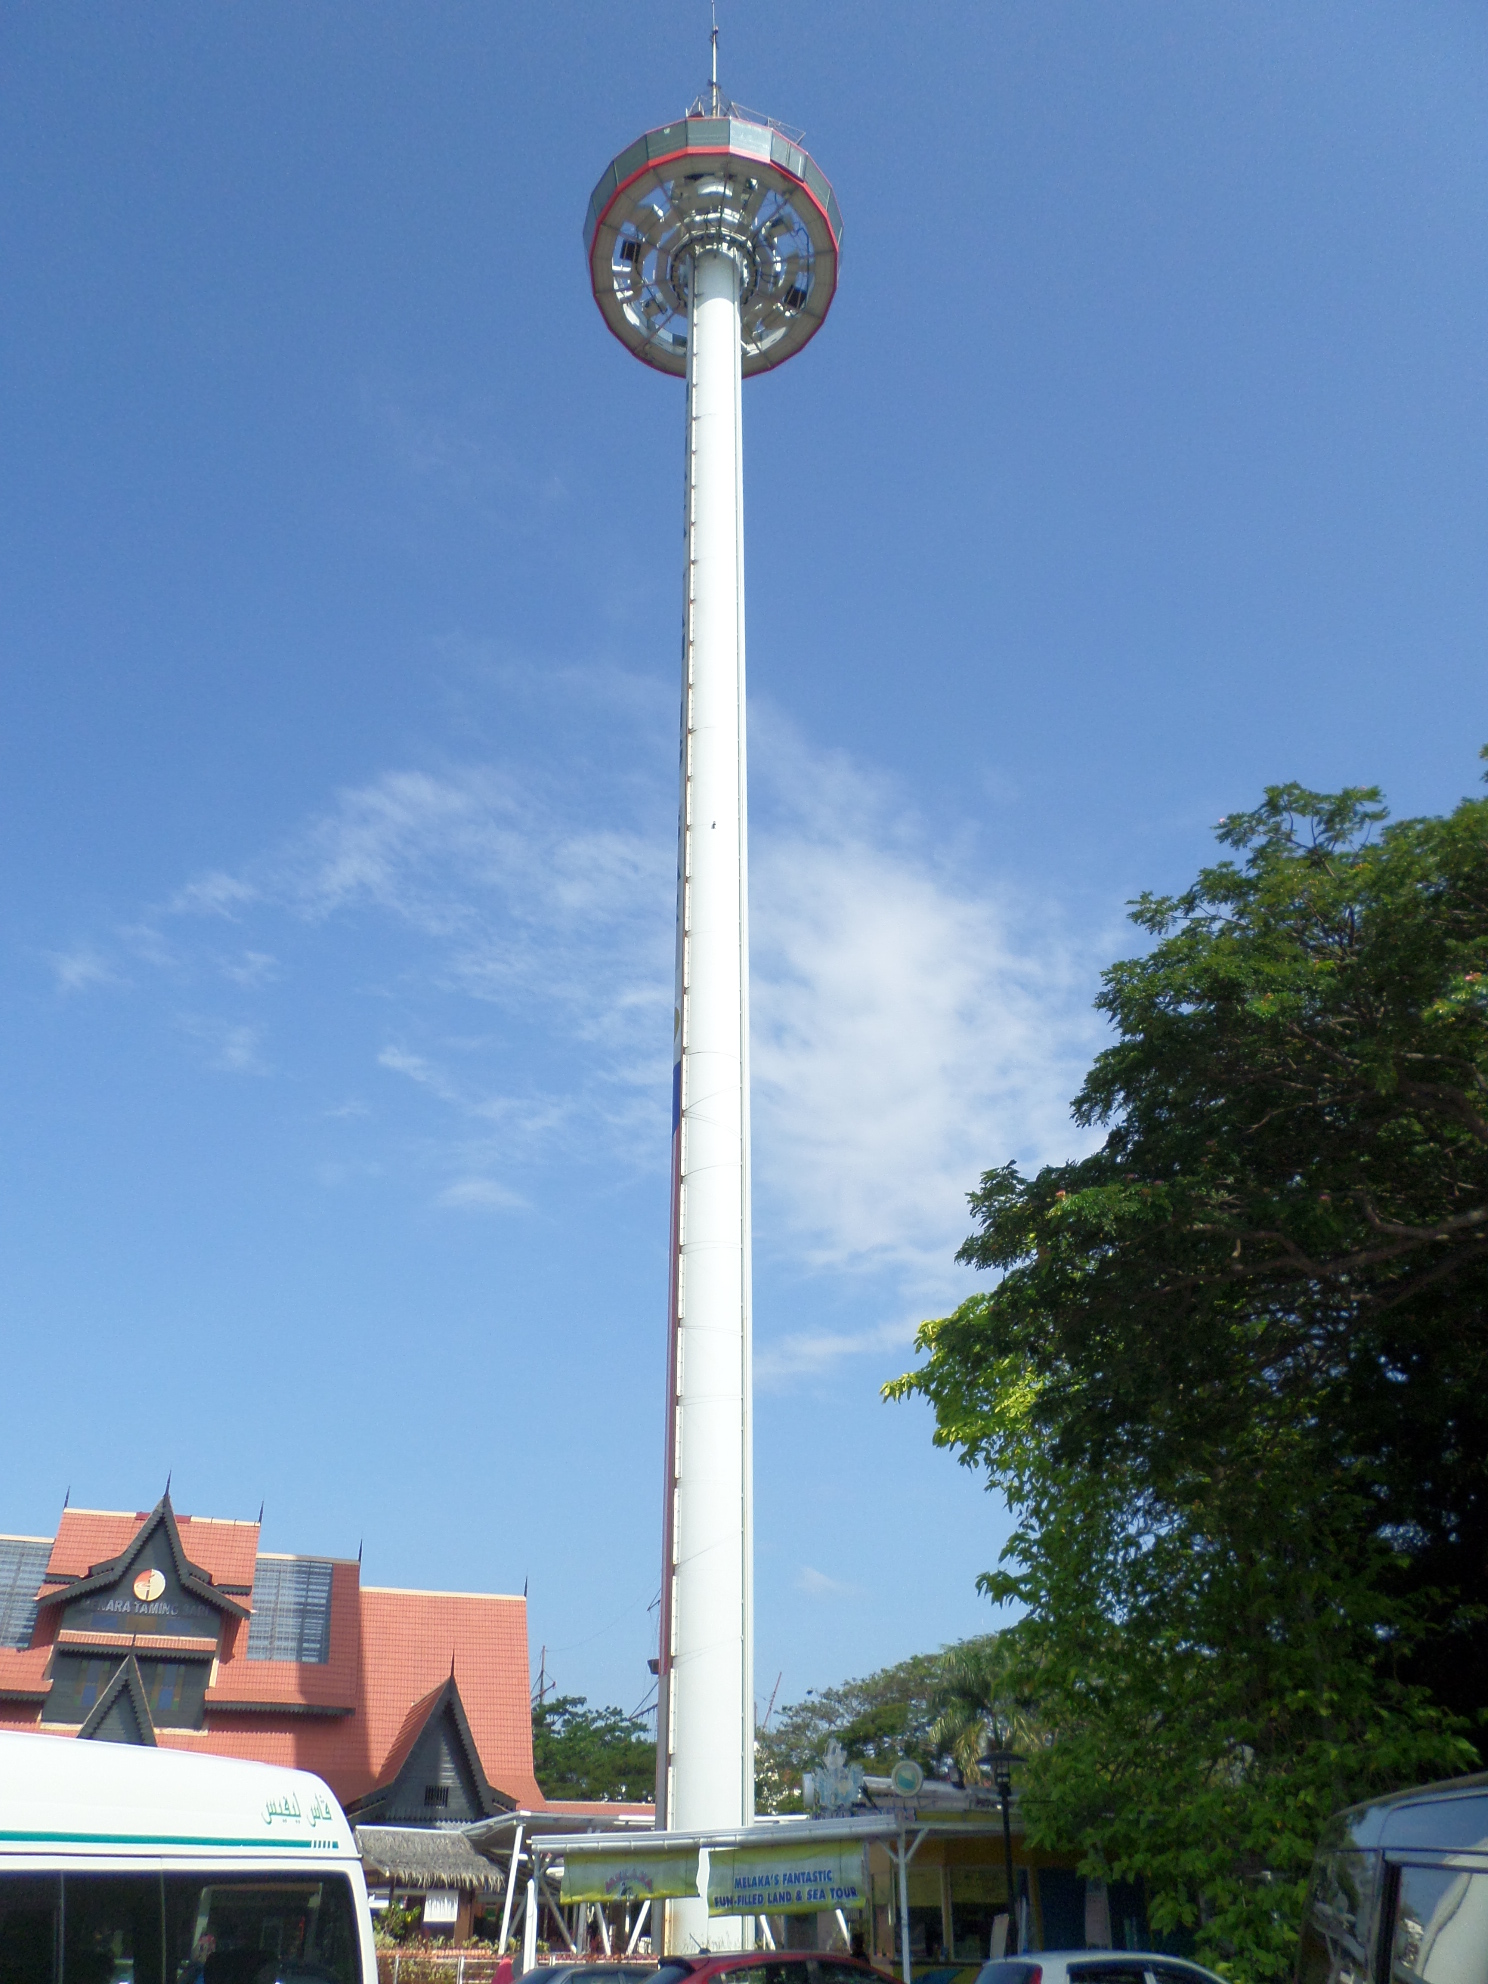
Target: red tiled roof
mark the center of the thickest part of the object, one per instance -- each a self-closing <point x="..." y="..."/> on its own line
<point x="408" y="1640"/>
<point x="24" y="1670"/>
<point x="226" y="1551"/>
<point x="86" y="1537"/>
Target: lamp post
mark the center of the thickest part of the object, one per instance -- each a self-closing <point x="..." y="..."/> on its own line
<point x="999" y="1764"/>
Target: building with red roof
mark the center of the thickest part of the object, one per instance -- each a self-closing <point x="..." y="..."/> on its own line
<point x="414" y="1706"/>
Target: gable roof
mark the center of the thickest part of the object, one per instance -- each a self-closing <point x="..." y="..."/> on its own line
<point x="194" y="1579"/>
<point x="410" y="1642"/>
<point x="440" y="1704"/>
<point x="121" y="1714"/>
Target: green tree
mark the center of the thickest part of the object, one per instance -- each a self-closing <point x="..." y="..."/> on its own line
<point x="583" y="1752"/>
<point x="1231" y="1379"/>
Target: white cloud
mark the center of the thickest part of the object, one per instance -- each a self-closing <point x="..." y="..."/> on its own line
<point x="482" y="1194"/>
<point x="78" y="969"/>
<point x="816" y="1584"/>
<point x="232" y="1049"/>
<point x="784" y="1360"/>
<point x="215" y="894"/>
<point x="250" y="968"/>
<point x="912" y="1025"/>
<point x="915" y="1020"/>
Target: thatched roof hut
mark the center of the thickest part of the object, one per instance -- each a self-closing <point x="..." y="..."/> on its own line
<point x="425" y="1857"/>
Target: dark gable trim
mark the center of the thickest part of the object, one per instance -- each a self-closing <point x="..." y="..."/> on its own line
<point x="493" y="1800"/>
<point x="330" y="1713"/>
<point x="126" y="1681"/>
<point x="193" y="1579"/>
<point x="101" y="1645"/>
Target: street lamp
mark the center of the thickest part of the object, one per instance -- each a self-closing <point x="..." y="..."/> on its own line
<point x="999" y="1766"/>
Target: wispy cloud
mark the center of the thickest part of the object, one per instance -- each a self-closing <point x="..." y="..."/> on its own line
<point x="915" y="1020"/>
<point x="785" y="1360"/>
<point x="482" y="1195"/>
<point x="81" y="968"/>
<point x="913" y="1023"/>
<point x="816" y="1584"/>
<point x="231" y="1049"/>
<point x="250" y="968"/>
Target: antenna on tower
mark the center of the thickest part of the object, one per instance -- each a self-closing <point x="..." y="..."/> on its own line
<point x="713" y="40"/>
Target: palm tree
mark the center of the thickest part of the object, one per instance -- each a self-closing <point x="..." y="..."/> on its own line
<point x="977" y="1706"/>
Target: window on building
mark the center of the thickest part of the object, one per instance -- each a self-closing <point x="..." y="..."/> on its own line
<point x="436" y="1794"/>
<point x="291" y="1610"/>
<point x="176" y="1691"/>
<point x="22" y="1561"/>
<point x="77" y="1682"/>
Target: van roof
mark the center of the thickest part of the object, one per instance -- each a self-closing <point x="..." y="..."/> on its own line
<point x="60" y="1796"/>
<point x="1451" y="1815"/>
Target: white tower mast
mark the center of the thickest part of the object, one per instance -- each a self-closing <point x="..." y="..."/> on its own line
<point x="713" y="248"/>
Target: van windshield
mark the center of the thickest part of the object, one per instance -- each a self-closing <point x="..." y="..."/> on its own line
<point x="176" y="1929"/>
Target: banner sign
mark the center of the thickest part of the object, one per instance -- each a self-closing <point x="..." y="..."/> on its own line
<point x="798" y="1879"/>
<point x="629" y="1876"/>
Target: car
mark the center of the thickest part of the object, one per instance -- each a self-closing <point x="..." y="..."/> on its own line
<point x="767" y="1967"/>
<point x="1094" y="1967"/>
<point x="596" y="1970"/>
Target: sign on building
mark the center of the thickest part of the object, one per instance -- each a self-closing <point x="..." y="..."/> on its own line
<point x="799" y="1879"/>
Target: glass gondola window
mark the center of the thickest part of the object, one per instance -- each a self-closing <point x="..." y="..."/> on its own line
<point x="291" y="1610"/>
<point x="22" y="1561"/>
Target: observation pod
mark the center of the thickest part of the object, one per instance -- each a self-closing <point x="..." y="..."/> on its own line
<point x="713" y="246"/>
<point x="735" y="184"/>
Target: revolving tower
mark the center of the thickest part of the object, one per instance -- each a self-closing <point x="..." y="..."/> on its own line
<point x="713" y="248"/>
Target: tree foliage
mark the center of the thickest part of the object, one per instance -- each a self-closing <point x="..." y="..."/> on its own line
<point x="1232" y="1376"/>
<point x="600" y="1753"/>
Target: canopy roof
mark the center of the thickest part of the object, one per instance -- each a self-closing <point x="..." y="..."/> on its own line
<point x="425" y="1857"/>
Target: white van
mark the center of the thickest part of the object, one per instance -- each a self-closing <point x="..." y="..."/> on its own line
<point x="126" y="1865"/>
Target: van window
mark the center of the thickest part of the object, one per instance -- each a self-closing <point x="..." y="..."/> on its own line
<point x="30" y="1909"/>
<point x="107" y="1929"/>
<point x="252" y="1930"/>
<point x="1441" y="1927"/>
<point x="110" y="1929"/>
<point x="1335" y="1931"/>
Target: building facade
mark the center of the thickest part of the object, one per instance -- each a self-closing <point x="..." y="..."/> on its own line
<point x="414" y="1706"/>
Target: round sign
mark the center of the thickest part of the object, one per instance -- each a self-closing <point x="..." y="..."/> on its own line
<point x="149" y="1585"/>
<point x="906" y="1777"/>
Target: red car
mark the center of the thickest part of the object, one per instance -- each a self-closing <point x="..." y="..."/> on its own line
<point x="765" y="1967"/>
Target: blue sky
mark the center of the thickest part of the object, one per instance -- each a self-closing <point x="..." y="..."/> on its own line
<point x="1141" y="462"/>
